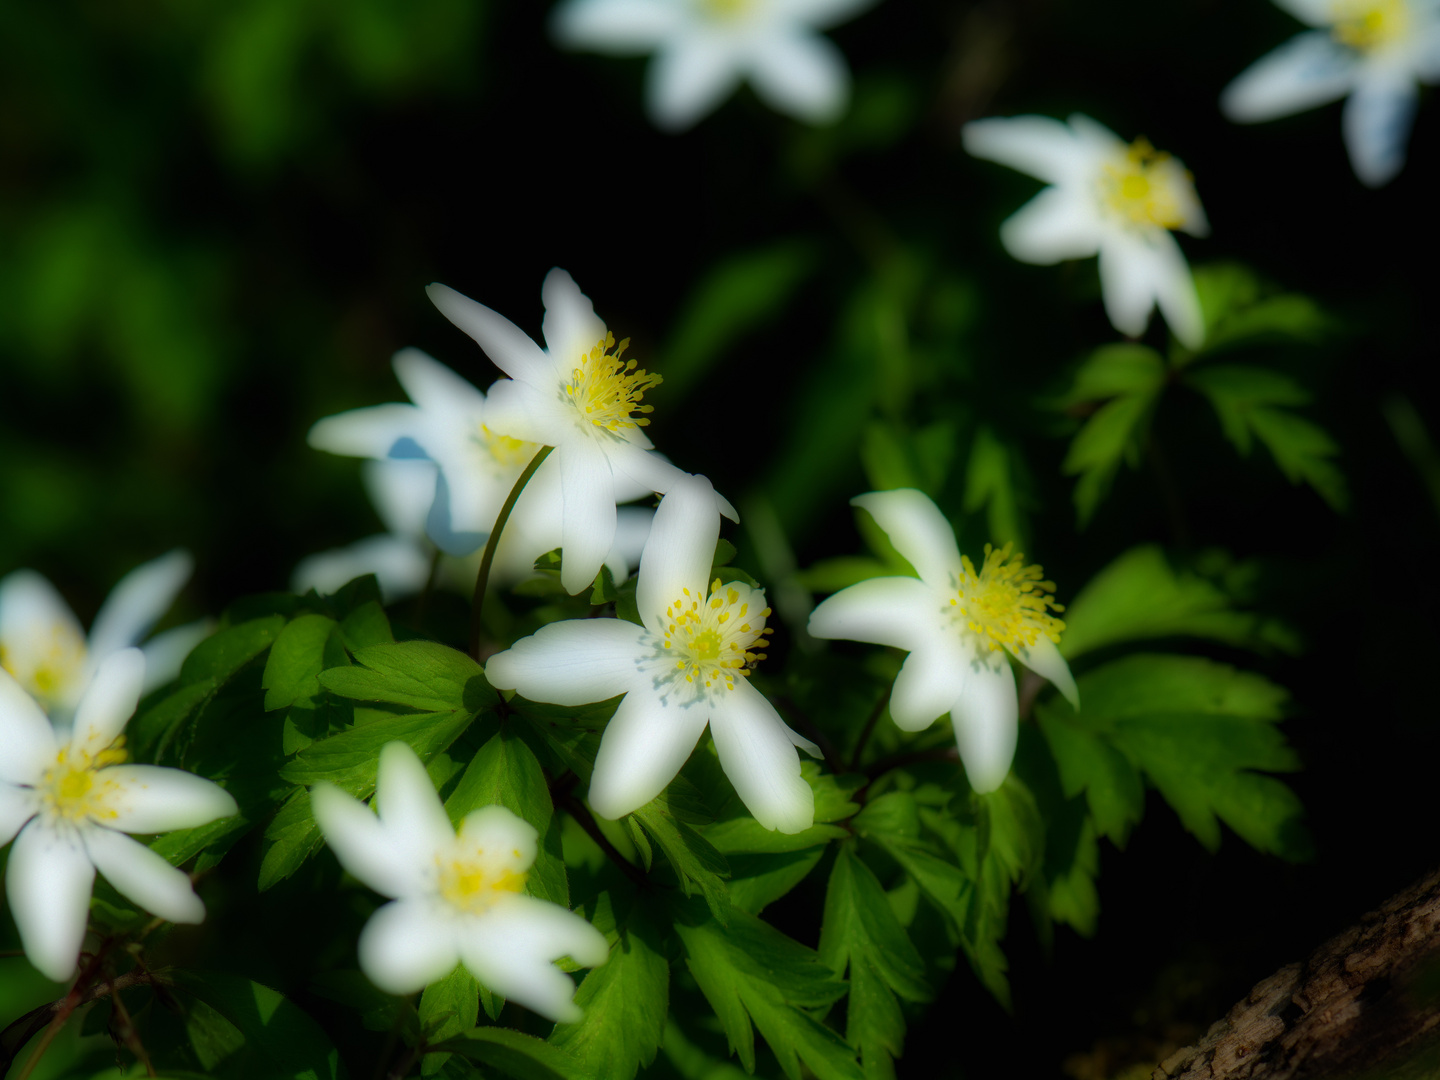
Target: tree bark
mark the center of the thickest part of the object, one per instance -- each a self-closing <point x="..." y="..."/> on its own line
<point x="1366" y="1003"/>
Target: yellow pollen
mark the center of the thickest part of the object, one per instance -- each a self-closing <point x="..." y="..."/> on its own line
<point x="726" y="9"/>
<point x="1366" y="25"/>
<point x="473" y="885"/>
<point x="606" y="390"/>
<point x="1142" y="187"/>
<point x="49" y="665"/>
<point x="506" y="450"/>
<point x="713" y="648"/>
<point x="69" y="789"/>
<point x="1006" y="602"/>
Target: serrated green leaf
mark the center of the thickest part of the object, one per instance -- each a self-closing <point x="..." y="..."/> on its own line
<point x="625" y="1001"/>
<point x="990" y="485"/>
<point x="1234" y="311"/>
<point x="1090" y="764"/>
<point x="699" y="867"/>
<point x="365" y="626"/>
<point x="693" y="1063"/>
<point x="757" y="881"/>
<point x="749" y="971"/>
<point x="292" y="671"/>
<point x="225" y="652"/>
<point x="517" y="1055"/>
<point x="294" y="836"/>
<point x="349" y="759"/>
<point x="448" y="1008"/>
<point x="421" y="674"/>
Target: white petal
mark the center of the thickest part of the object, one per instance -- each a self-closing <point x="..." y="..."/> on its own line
<point x="109" y="701"/>
<point x="644" y="745"/>
<point x="1038" y="145"/>
<point x="26" y="734"/>
<point x="1128" y="281"/>
<point x="1097" y="141"/>
<point x="152" y="799"/>
<point x="17" y="806"/>
<point x="919" y="532"/>
<point x="434" y="387"/>
<point x="571" y="327"/>
<point x="688" y="78"/>
<point x="137" y="602"/>
<point x="407" y="945"/>
<point x="401" y="492"/>
<point x="39" y="632"/>
<point x="143" y="876"/>
<point x="165" y="653"/>
<point x="1059" y="223"/>
<point x="48" y="882"/>
<point x="931" y="680"/>
<point x="526" y="412"/>
<point x="897" y="611"/>
<point x="371" y="432"/>
<point x="399" y="563"/>
<point x="1045" y="660"/>
<point x="1376" y="124"/>
<point x="588" y="529"/>
<point x="498" y="828"/>
<point x="986" y="719"/>
<point x="573" y="662"/>
<point x="408" y="802"/>
<point x="363" y="845"/>
<point x="632" y="530"/>
<point x="510" y="948"/>
<point x="802" y="74"/>
<point x="505" y="343"/>
<point x="759" y="757"/>
<point x="680" y="550"/>
<point x="1175" y="293"/>
<point x="621" y="27"/>
<point x="1308" y="70"/>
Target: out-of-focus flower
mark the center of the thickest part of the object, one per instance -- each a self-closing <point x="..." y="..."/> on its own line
<point x="705" y="47"/>
<point x="1374" y="51"/>
<point x="44" y="647"/>
<point x="1105" y="198"/>
<point x="71" y="800"/>
<point x="954" y="621"/>
<point x="456" y="898"/>
<point x="580" y="397"/>
<point x="687" y="666"/>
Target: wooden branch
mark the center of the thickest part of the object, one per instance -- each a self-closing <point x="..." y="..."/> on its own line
<point x="1366" y="1002"/>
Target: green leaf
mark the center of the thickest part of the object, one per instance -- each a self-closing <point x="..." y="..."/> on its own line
<point x="990" y="486"/>
<point x="749" y="971"/>
<point x="1201" y="732"/>
<point x="860" y="932"/>
<point x="694" y="859"/>
<point x="1141" y="596"/>
<point x="421" y="674"/>
<point x="349" y="759"/>
<point x="625" y="1001"/>
<point x="1091" y="764"/>
<point x="224" y="653"/>
<point x="517" y="1055"/>
<point x="895" y="457"/>
<point x="1250" y="402"/>
<point x="293" y="835"/>
<point x="505" y="772"/>
<point x="1128" y="378"/>
<point x="252" y="1030"/>
<point x="757" y="881"/>
<point x="448" y="1008"/>
<point x="297" y="657"/>
<point x="378" y="1010"/>
<point x="693" y="1063"/>
<point x="1236" y="312"/>
<point x="366" y="625"/>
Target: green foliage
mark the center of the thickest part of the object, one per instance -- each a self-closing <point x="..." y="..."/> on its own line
<point x="699" y="867"/>
<point x="625" y="1000"/>
<point x="240" y="1028"/>
<point x="1238" y="311"/>
<point x="517" y="1055"/>
<point x="448" y="1008"/>
<point x="420" y="674"/>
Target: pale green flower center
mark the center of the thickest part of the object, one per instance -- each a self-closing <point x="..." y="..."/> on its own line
<point x="1007" y="602"/>
<point x="71" y="790"/>
<point x="726" y="10"/>
<point x="711" y="637"/>
<point x="605" y="390"/>
<point x="473" y="881"/>
<point x="1366" y="25"/>
<point x="1144" y="187"/>
<point x="50" y="665"/>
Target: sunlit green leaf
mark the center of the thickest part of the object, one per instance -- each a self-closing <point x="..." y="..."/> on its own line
<point x="625" y="1002"/>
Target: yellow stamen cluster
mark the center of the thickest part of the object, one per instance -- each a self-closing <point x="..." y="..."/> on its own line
<point x="1006" y="602"/>
<point x="49" y="665"/>
<point x="505" y="450"/>
<point x="1365" y="25"/>
<point x="713" y="635"/>
<point x="726" y="9"/>
<point x="473" y="881"/>
<point x="1140" y="187"/>
<point x="607" y="390"/>
<point x="69" y="789"/>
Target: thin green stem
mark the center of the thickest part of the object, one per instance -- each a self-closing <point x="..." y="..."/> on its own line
<point x="482" y="581"/>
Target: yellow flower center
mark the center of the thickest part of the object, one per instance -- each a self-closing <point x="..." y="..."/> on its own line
<point x="1143" y="187"/>
<point x="726" y="9"/>
<point x="50" y="665"/>
<point x="712" y="636"/>
<point x="1366" y="25"/>
<point x="70" y="789"/>
<point x="473" y="881"/>
<point x="606" y="390"/>
<point x="505" y="451"/>
<point x="1006" y="602"/>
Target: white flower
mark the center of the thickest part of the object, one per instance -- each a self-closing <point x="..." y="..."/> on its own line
<point x="953" y="621"/>
<point x="1373" y="50"/>
<point x="1105" y="198"/>
<point x="72" y="800"/>
<point x="578" y="396"/>
<point x="457" y="898"/>
<point x="685" y="667"/>
<point x="44" y="647"/>
<point x="705" y="47"/>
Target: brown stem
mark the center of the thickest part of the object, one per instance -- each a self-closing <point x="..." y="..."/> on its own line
<point x="868" y="729"/>
<point x="482" y="580"/>
<point x="55" y="1013"/>
<point x="576" y="809"/>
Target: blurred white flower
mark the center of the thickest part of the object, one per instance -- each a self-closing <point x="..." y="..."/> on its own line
<point x="44" y="647"/>
<point x="687" y="666"/>
<point x="705" y="47"/>
<point x="1375" y="51"/>
<point x="580" y="397"/>
<point x="1105" y="198"/>
<point x="456" y="898"/>
<point x="953" y="621"/>
<point x="71" y="800"/>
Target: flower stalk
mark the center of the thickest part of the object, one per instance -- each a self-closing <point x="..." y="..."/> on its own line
<point x="482" y="580"/>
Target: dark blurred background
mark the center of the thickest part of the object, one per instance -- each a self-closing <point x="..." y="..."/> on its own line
<point x="216" y="223"/>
